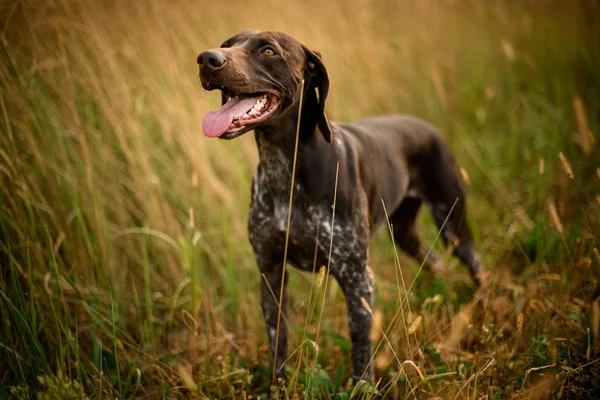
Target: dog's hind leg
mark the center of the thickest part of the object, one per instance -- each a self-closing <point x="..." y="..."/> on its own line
<point x="447" y="200"/>
<point x="407" y="236"/>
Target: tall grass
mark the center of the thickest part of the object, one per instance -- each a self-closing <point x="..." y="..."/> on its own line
<point x="125" y="269"/>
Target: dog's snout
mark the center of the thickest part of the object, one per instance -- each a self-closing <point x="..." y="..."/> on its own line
<point x="211" y="61"/>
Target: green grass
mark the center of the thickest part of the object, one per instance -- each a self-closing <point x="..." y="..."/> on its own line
<point x="125" y="269"/>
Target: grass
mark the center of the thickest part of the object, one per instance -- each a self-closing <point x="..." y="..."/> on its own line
<point x="125" y="269"/>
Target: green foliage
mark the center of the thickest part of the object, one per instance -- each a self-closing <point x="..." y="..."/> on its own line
<point x="52" y="387"/>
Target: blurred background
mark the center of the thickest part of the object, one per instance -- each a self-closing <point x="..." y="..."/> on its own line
<point x="125" y="269"/>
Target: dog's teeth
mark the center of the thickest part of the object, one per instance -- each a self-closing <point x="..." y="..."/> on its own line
<point x="256" y="108"/>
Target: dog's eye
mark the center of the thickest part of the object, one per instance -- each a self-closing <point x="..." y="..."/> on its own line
<point x="268" y="51"/>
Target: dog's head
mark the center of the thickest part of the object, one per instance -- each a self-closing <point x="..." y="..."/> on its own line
<point x="260" y="77"/>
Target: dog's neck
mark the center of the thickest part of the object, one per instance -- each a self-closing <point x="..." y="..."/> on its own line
<point x="276" y="148"/>
<point x="278" y="139"/>
<point x="276" y="159"/>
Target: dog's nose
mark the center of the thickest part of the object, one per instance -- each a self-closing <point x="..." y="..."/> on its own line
<point x="211" y="61"/>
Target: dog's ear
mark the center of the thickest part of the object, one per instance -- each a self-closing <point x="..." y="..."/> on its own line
<point x="318" y="80"/>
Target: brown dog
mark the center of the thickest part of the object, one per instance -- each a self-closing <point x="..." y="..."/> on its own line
<point x="399" y="160"/>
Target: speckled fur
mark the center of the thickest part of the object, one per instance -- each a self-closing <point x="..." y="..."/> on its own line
<point x="310" y="226"/>
<point x="398" y="160"/>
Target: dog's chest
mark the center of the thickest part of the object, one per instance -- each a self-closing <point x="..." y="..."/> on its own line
<point x="313" y="232"/>
<point x="270" y="208"/>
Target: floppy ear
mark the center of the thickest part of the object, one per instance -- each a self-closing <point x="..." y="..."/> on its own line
<point x="318" y="81"/>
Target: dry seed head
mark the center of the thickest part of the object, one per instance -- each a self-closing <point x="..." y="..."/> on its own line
<point x="566" y="166"/>
<point x="597" y="254"/>
<point x="508" y="50"/>
<point x="465" y="176"/>
<point x="541" y="166"/>
<point x="554" y="216"/>
<point x="321" y="277"/>
<point x="376" y="331"/>
<point x="47" y="283"/>
<point x="585" y="262"/>
<point x="314" y="345"/>
<point x="186" y="377"/>
<point x="584" y="138"/>
<point x="596" y="320"/>
<point x="520" y="322"/>
<point x="415" y="325"/>
<point x="191" y="213"/>
<point x="366" y="305"/>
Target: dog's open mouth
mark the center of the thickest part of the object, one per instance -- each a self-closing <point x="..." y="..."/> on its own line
<point x="240" y="111"/>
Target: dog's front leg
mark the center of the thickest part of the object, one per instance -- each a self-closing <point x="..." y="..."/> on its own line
<point x="356" y="283"/>
<point x="271" y="285"/>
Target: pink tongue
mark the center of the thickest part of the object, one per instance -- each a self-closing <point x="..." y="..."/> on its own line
<point x="216" y="123"/>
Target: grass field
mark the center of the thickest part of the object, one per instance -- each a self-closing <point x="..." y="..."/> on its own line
<point x="125" y="269"/>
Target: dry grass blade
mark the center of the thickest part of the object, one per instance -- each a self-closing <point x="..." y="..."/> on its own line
<point x="287" y="231"/>
<point x="327" y="271"/>
<point x="475" y="376"/>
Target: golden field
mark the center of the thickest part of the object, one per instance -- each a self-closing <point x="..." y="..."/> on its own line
<point x="125" y="269"/>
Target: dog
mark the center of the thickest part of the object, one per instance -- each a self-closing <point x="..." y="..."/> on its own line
<point x="345" y="178"/>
